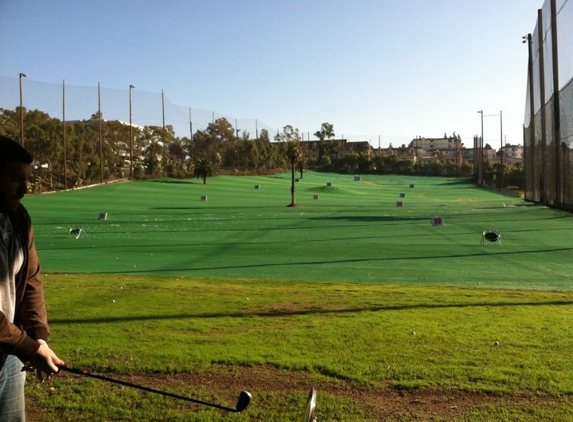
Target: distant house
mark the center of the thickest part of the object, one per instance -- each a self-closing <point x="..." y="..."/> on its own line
<point x="436" y="144"/>
<point x="489" y="154"/>
<point x="359" y="147"/>
<point x="445" y="150"/>
<point x="449" y="149"/>
<point x="452" y="149"/>
<point x="511" y="153"/>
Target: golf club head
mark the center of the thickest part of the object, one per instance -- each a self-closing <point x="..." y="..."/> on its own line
<point x="243" y="402"/>
<point x="308" y="415"/>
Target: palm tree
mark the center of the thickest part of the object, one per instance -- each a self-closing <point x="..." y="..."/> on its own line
<point x="294" y="155"/>
<point x="326" y="132"/>
<point x="203" y="169"/>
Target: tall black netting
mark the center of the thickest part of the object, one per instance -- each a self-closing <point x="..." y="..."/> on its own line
<point x="548" y="120"/>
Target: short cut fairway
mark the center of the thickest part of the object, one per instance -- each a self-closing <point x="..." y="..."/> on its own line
<point x="353" y="232"/>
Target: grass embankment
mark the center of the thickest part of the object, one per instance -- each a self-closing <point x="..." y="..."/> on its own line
<point x="374" y="352"/>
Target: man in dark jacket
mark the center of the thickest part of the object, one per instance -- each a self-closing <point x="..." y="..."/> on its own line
<point x="23" y="317"/>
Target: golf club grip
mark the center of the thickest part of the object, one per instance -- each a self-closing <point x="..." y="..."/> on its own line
<point x="141" y="387"/>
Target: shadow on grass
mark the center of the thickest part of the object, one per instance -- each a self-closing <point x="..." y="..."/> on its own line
<point x="288" y="313"/>
<point x="390" y="218"/>
<point x="341" y="261"/>
<point x="368" y="218"/>
<point x="176" y="181"/>
<point x="455" y="181"/>
<point x="115" y="243"/>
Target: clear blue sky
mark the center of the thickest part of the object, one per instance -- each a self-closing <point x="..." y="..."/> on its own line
<point x="390" y="68"/>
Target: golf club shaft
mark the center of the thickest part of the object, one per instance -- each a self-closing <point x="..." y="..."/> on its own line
<point x="140" y="387"/>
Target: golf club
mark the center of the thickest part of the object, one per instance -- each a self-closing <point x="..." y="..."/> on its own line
<point x="308" y="415"/>
<point x="242" y="402"/>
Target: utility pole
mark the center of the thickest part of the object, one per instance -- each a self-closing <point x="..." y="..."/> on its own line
<point x="100" y="132"/>
<point x="480" y="148"/>
<point x="64" y="134"/>
<point x="22" y="75"/>
<point x="130" y="136"/>
<point x="501" y="150"/>
<point x="163" y="133"/>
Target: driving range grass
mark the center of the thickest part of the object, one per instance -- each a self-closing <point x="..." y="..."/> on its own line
<point x="354" y="232"/>
<point x="346" y="292"/>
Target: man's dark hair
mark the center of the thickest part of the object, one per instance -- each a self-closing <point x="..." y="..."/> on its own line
<point x="12" y="152"/>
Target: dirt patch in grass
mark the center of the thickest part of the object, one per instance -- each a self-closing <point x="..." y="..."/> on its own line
<point x="378" y="403"/>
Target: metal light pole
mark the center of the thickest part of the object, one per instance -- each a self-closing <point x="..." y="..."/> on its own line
<point x="64" y="134"/>
<point x="480" y="172"/>
<point x="529" y="152"/>
<point x="100" y="132"/>
<point x="190" y="135"/>
<point x="131" y="87"/>
<point x="237" y="144"/>
<point x="163" y="134"/>
<point x="22" y="75"/>
<point x="556" y="105"/>
<point x="501" y="150"/>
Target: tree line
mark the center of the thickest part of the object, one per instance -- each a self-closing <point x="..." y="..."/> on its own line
<point x="80" y="153"/>
<point x="92" y="151"/>
<point x="494" y="173"/>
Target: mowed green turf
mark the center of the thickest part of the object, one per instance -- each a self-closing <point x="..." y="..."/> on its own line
<point x="210" y="339"/>
<point x="353" y="232"/>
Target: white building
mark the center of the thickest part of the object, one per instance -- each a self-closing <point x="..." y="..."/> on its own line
<point x="440" y="144"/>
